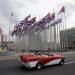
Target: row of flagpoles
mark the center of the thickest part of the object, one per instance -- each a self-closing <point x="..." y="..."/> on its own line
<point x="51" y="22"/>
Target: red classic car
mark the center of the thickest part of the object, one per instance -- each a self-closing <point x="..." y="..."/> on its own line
<point x="40" y="60"/>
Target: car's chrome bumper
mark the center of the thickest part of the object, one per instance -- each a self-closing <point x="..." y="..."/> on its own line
<point x="25" y="64"/>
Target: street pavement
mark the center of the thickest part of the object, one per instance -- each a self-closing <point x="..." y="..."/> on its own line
<point x="13" y="67"/>
<point x="7" y="53"/>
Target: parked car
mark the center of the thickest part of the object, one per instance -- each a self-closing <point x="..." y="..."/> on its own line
<point x="39" y="60"/>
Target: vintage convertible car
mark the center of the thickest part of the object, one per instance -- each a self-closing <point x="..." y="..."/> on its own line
<point x="40" y="60"/>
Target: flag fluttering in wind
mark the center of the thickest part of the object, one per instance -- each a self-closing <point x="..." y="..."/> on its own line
<point x="28" y="24"/>
<point x="23" y="22"/>
<point x="56" y="22"/>
<point x="31" y="21"/>
<point x="52" y="16"/>
<point x="26" y="18"/>
<point x="23" y="25"/>
<point x="62" y="10"/>
<point x="46" y="17"/>
<point x="43" y="22"/>
<point x="40" y="24"/>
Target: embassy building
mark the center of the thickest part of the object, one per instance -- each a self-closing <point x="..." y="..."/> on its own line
<point x="67" y="38"/>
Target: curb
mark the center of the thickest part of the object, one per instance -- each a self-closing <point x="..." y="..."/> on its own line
<point x="8" y="57"/>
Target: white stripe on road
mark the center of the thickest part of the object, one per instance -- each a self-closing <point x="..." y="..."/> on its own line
<point x="70" y="62"/>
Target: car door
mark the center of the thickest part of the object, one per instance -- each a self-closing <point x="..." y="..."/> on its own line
<point x="51" y="60"/>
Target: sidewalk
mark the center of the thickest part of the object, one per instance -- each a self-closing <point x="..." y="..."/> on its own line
<point x="7" y="53"/>
<point x="2" y="50"/>
<point x="8" y="57"/>
<point x="16" y="55"/>
<point x="12" y="56"/>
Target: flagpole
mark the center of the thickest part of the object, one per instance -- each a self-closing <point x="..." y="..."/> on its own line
<point x="64" y="39"/>
<point x="9" y="32"/>
<point x="61" y="36"/>
<point x="54" y="36"/>
<point x="58" y="35"/>
<point x="45" y="40"/>
<point x="28" y="39"/>
<point x="61" y="33"/>
<point x="60" y="28"/>
<point x="66" y="43"/>
<point x="57" y="38"/>
<point x="39" y="40"/>
<point x="50" y="39"/>
<point x="23" y="40"/>
<point x="34" y="48"/>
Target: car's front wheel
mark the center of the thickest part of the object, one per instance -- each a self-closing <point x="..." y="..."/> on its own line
<point x="39" y="66"/>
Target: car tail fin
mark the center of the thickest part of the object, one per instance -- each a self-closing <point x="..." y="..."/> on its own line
<point x="23" y="59"/>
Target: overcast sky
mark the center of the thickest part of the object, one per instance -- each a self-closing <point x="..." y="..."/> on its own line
<point x="38" y="8"/>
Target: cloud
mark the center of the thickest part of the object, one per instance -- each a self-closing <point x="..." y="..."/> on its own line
<point x="22" y="8"/>
<point x="70" y="13"/>
<point x="69" y="8"/>
<point x="32" y="1"/>
<point x="19" y="9"/>
<point x="5" y="8"/>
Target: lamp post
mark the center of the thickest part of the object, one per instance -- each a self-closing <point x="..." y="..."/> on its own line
<point x="9" y="32"/>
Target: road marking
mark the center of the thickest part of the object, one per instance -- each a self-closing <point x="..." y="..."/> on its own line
<point x="70" y="62"/>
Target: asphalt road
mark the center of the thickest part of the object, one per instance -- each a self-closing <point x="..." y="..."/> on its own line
<point x="12" y="67"/>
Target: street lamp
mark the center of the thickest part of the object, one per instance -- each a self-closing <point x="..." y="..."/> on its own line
<point x="9" y="32"/>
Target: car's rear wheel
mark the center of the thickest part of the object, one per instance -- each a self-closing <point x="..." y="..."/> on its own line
<point x="62" y="62"/>
<point x="39" y="66"/>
